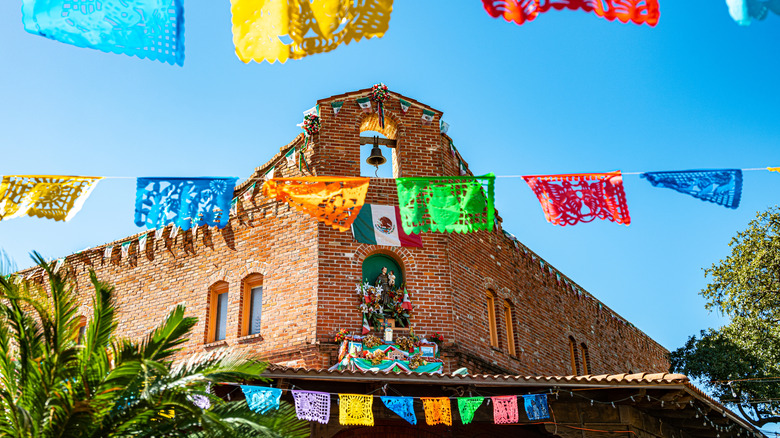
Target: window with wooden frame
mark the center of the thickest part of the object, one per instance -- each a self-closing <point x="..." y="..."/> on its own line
<point x="218" y="306"/>
<point x="575" y="357"/>
<point x="252" y="305"/>
<point x="491" y="308"/>
<point x="585" y="359"/>
<point x="510" y="332"/>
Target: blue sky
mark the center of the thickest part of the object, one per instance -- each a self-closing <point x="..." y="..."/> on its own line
<point x="566" y="93"/>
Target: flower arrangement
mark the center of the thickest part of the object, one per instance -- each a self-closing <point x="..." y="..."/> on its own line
<point x="437" y="337"/>
<point x="406" y="343"/>
<point x="417" y="361"/>
<point x="342" y="335"/>
<point x="371" y="341"/>
<point x="370" y="297"/>
<point x="376" y="357"/>
<point x="379" y="93"/>
<point x="311" y="124"/>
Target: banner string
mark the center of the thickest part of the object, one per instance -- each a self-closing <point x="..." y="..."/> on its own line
<point x="752" y="169"/>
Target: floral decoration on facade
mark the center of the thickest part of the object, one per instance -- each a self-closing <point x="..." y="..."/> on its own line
<point x="405" y="343"/>
<point x="417" y="361"/>
<point x="437" y="338"/>
<point x="371" y="341"/>
<point x="371" y="299"/>
<point x="311" y="124"/>
<point x="376" y="357"/>
<point x="342" y="335"/>
<point x="379" y="94"/>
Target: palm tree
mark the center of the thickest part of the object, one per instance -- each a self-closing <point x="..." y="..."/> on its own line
<point x="52" y="386"/>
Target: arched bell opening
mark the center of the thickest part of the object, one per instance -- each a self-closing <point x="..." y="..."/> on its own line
<point x="378" y="146"/>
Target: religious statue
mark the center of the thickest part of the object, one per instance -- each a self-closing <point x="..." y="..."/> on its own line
<point x="391" y="280"/>
<point x="384" y="280"/>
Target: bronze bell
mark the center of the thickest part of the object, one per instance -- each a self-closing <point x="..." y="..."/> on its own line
<point x="376" y="159"/>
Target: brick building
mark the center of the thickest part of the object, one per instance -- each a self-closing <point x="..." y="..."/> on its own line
<point x="501" y="308"/>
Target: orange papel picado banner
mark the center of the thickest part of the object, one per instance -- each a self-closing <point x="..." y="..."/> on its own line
<point x="333" y="200"/>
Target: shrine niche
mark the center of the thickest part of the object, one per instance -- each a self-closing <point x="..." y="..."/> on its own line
<point x="383" y="296"/>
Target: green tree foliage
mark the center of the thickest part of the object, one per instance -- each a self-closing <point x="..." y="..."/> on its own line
<point x="740" y="362"/>
<point x="53" y="386"/>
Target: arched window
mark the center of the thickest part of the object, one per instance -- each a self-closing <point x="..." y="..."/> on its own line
<point x="251" y="305"/>
<point x="575" y="357"/>
<point x="510" y="332"/>
<point x="491" y="314"/>
<point x="373" y="264"/>
<point x="218" y="306"/>
<point x="585" y="359"/>
<point x="392" y="281"/>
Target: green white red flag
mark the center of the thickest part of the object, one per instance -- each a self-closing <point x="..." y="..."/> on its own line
<point x="427" y="117"/>
<point x="365" y="104"/>
<point x="381" y="225"/>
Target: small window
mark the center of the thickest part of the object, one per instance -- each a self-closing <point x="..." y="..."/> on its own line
<point x="218" y="312"/>
<point x="510" y="333"/>
<point x="585" y="359"/>
<point x="256" y="307"/>
<point x="252" y="305"/>
<point x="575" y="357"/>
<point x="491" y="308"/>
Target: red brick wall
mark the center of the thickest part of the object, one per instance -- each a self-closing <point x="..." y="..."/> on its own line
<point x="310" y="271"/>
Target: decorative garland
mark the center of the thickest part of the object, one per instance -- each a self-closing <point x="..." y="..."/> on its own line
<point x="379" y="94"/>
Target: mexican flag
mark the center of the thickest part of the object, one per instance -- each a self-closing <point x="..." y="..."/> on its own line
<point x="427" y="117"/>
<point x="365" y="104"/>
<point x="381" y="225"/>
<point x="404" y="106"/>
<point x="336" y="107"/>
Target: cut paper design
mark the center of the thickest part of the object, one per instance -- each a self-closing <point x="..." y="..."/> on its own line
<point x="403" y="406"/>
<point x="261" y="399"/>
<point x="719" y="186"/>
<point x="453" y="204"/>
<point x="773" y="169"/>
<point x="520" y="11"/>
<point x="44" y="196"/>
<point x="151" y="29"/>
<point x="584" y="197"/>
<point x="183" y="202"/>
<point x="274" y="30"/>
<point x="356" y="410"/>
<point x="536" y="406"/>
<point x="336" y="201"/>
<point x="505" y="409"/>
<point x="200" y="401"/>
<point x="744" y="11"/>
<point x="312" y="405"/>
<point x="467" y="406"/>
<point x="437" y="410"/>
